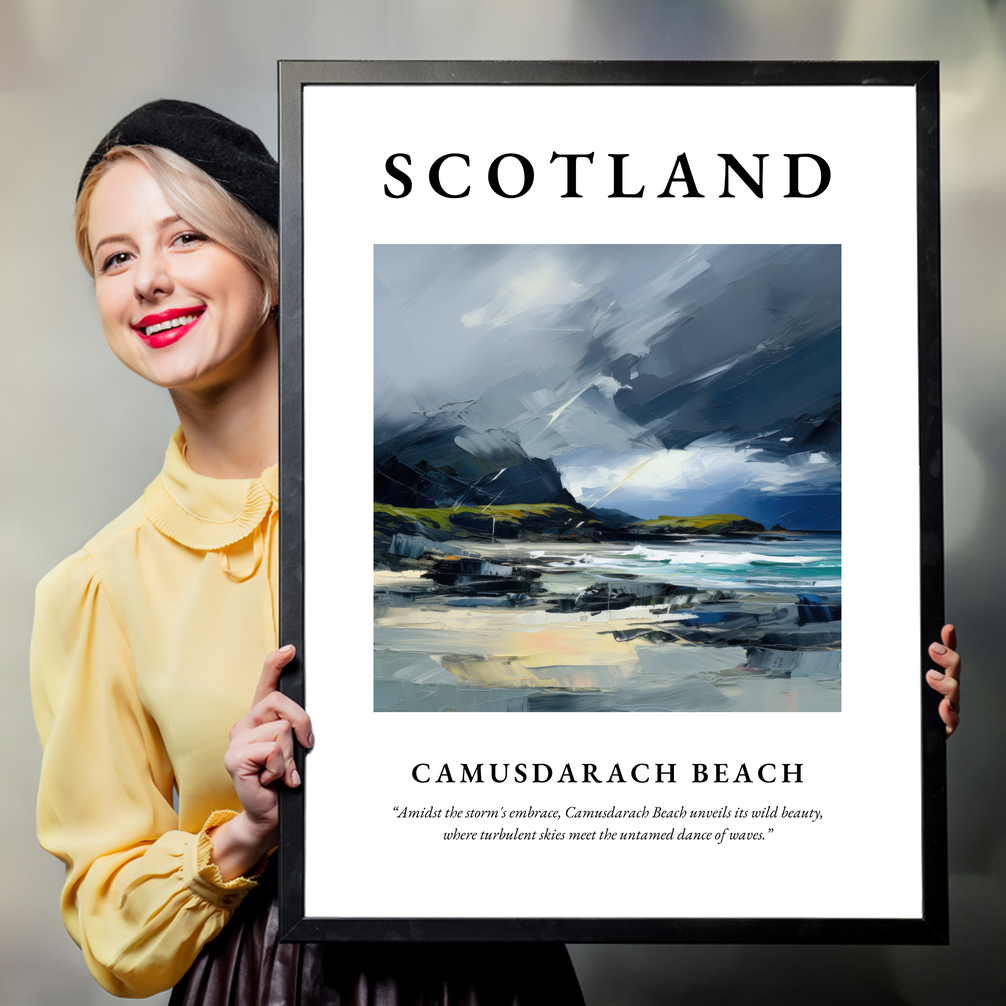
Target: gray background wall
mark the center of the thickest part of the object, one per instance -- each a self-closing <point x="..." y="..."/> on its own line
<point x="81" y="436"/>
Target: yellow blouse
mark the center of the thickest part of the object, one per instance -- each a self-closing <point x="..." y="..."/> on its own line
<point x="147" y="647"/>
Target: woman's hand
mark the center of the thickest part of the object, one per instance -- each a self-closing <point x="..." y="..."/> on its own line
<point x="947" y="682"/>
<point x="260" y="753"/>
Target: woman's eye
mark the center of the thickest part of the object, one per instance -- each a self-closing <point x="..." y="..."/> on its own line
<point x="189" y="238"/>
<point x="114" y="261"/>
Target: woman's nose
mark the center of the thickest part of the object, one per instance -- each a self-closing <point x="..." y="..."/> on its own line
<point x="152" y="277"/>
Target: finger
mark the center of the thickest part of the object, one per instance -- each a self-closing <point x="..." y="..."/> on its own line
<point x="276" y="706"/>
<point x="949" y="637"/>
<point x="950" y="716"/>
<point x="274" y="766"/>
<point x="261" y="760"/>
<point x="945" y="685"/>
<point x="949" y="708"/>
<point x="948" y="659"/>
<point x="271" y="670"/>
<point x="279" y="732"/>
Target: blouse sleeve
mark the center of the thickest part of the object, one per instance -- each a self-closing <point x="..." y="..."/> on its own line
<point x="141" y="898"/>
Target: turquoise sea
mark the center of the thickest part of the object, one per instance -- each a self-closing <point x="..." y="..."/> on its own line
<point x="703" y="624"/>
<point x="804" y="563"/>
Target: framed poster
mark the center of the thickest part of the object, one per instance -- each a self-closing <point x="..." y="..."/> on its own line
<point x="650" y="353"/>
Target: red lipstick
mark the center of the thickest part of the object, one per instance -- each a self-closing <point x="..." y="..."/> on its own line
<point x="166" y="327"/>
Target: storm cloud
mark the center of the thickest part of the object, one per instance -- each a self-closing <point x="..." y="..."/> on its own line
<point x="659" y="378"/>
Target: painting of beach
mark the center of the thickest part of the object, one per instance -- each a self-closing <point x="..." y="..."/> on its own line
<point x="607" y="478"/>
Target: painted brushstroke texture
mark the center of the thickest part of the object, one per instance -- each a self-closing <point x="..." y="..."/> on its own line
<point x="717" y="366"/>
<point x="540" y="411"/>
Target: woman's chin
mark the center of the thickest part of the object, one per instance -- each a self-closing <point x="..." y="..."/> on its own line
<point x="175" y="373"/>
<point x="197" y="365"/>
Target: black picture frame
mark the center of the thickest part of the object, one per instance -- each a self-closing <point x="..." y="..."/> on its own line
<point x="931" y="927"/>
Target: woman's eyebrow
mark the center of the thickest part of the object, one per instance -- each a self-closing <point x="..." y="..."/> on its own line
<point x="109" y="240"/>
<point x="160" y="225"/>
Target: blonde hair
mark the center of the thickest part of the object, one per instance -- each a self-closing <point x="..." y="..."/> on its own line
<point x="199" y="200"/>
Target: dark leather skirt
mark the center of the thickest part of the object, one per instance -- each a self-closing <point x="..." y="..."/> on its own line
<point x="246" y="965"/>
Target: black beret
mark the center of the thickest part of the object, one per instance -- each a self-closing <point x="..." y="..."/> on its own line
<point x="231" y="154"/>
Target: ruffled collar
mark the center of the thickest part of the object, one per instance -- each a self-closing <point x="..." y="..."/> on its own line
<point x="203" y="513"/>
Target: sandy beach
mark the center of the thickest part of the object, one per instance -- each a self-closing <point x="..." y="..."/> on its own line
<point x="457" y="653"/>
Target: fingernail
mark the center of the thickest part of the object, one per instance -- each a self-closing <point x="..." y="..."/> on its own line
<point x="295" y="777"/>
<point x="287" y="649"/>
<point x="936" y="675"/>
<point x="938" y="648"/>
<point x="310" y="740"/>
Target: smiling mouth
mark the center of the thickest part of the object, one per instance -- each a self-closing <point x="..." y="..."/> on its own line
<point x="167" y="321"/>
<point x="185" y="319"/>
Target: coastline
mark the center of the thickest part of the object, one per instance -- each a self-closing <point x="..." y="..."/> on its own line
<point x="697" y="649"/>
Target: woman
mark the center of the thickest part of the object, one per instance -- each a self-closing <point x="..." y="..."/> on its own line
<point x="148" y="643"/>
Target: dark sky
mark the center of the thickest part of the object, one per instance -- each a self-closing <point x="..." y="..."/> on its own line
<point x="656" y="378"/>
